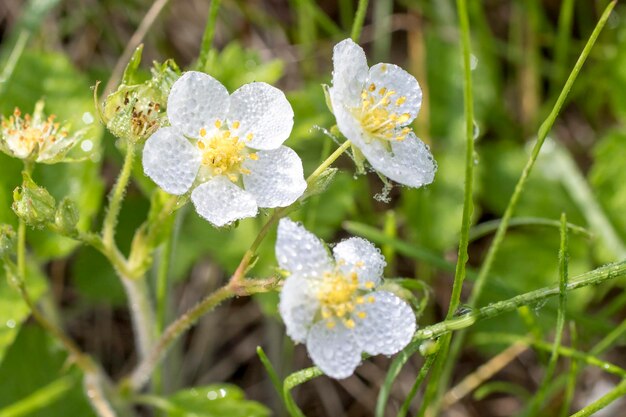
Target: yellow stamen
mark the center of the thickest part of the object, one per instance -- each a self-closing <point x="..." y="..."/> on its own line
<point x="218" y="124"/>
<point x="236" y="125"/>
<point x="202" y="132"/>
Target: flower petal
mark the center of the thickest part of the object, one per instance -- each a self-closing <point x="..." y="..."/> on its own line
<point x="265" y="116"/>
<point x="197" y="101"/>
<point x="221" y="202"/>
<point x="409" y="162"/>
<point x="388" y="326"/>
<point x="349" y="74"/>
<point x="300" y="251"/>
<point x="361" y="256"/>
<point x="408" y="94"/>
<point x="170" y="160"/>
<point x="276" y="178"/>
<point x="297" y="307"/>
<point x="333" y="350"/>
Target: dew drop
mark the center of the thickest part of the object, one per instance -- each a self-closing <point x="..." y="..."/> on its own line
<point x="86" y="145"/>
<point x="11" y="324"/>
<point x="87" y="118"/>
<point x="212" y="395"/>
<point x="473" y="62"/>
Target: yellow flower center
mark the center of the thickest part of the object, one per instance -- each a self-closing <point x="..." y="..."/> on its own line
<point x="224" y="153"/>
<point x="23" y="134"/>
<point x="339" y="296"/>
<point x="378" y="114"/>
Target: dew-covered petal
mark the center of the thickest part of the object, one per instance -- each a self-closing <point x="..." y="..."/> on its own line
<point x="170" y="160"/>
<point x="409" y="162"/>
<point x="297" y="307"/>
<point x="197" y="101"/>
<point x="276" y="178"/>
<point x="221" y="202"/>
<point x="361" y="256"/>
<point x="334" y="350"/>
<point x="388" y="326"/>
<point x="260" y="114"/>
<point x="300" y="252"/>
<point x="349" y="74"/>
<point x="407" y="97"/>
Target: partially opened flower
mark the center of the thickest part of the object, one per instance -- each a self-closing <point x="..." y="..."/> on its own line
<point x="334" y="306"/>
<point x="230" y="146"/>
<point x="38" y="138"/>
<point x="374" y="108"/>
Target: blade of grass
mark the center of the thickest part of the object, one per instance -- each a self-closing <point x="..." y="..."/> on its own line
<point x="435" y="387"/>
<point x="616" y="393"/>
<point x="207" y="38"/>
<point x="572" y="375"/>
<point x="271" y="372"/>
<point x="359" y="18"/>
<point x="485" y="228"/>
<point x="562" y="43"/>
<point x="418" y="381"/>
<point x="544" y="129"/>
<point x="40" y="398"/>
<point x="392" y="373"/>
<point x="539" y="397"/>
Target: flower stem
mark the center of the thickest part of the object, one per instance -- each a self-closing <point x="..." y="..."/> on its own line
<point x="142" y="313"/>
<point x="328" y="162"/>
<point x="142" y="372"/>
<point x="359" y="18"/>
<point x="116" y="196"/>
<point x="209" y="34"/>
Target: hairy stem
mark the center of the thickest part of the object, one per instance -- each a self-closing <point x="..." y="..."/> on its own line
<point x="142" y="313"/>
<point x="116" y="197"/>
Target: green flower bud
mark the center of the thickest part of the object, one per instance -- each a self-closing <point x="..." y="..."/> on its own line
<point x="7" y="240"/>
<point x="33" y="204"/>
<point x="66" y="216"/>
<point x="136" y="110"/>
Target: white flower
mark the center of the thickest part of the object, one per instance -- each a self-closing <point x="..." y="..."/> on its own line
<point x="333" y="305"/>
<point x="230" y="145"/>
<point x="374" y="107"/>
<point x="37" y="138"/>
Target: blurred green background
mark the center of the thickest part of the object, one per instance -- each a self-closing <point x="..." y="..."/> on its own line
<point x="522" y="52"/>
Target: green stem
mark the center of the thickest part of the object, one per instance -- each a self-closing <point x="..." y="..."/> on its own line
<point x="116" y="196"/>
<point x="538" y="399"/>
<point x="485" y="228"/>
<point x="616" y="393"/>
<point x="40" y="398"/>
<point x="16" y="53"/>
<point x="544" y="129"/>
<point x="420" y="378"/>
<point x="328" y="162"/>
<point x="142" y="372"/>
<point x="359" y="18"/>
<point x="437" y="384"/>
<point x="141" y="312"/>
<point x="209" y="34"/>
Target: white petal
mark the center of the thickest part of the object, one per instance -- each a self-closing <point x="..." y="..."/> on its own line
<point x="262" y="111"/>
<point x="300" y="251"/>
<point x="221" y="202"/>
<point x="361" y="256"/>
<point x="409" y="162"/>
<point x="349" y="74"/>
<point x="393" y="78"/>
<point x="276" y="179"/>
<point x="297" y="307"/>
<point x="195" y="102"/>
<point x="334" y="351"/>
<point x="388" y="326"/>
<point x="170" y="160"/>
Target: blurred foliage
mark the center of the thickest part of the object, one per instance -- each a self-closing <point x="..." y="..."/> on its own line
<point x="259" y="41"/>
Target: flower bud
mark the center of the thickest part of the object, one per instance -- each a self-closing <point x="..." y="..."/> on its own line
<point x="7" y="240"/>
<point x="33" y="204"/>
<point x="66" y="216"/>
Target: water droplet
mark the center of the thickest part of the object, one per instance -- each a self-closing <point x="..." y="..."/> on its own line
<point x="476" y="132"/>
<point x="427" y="333"/>
<point x="11" y="324"/>
<point x="212" y="395"/>
<point x="473" y="62"/>
<point x="87" y="118"/>
<point x="86" y="145"/>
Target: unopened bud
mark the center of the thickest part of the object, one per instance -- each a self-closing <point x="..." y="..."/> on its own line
<point x="33" y="204"/>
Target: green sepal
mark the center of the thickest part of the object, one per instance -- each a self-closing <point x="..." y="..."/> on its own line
<point x="7" y="241"/>
<point x="66" y="216"/>
<point x="32" y="203"/>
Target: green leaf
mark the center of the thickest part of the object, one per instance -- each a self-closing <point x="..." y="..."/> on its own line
<point x="608" y="177"/>
<point x="31" y="365"/>
<point x="13" y="309"/>
<point x="217" y="400"/>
